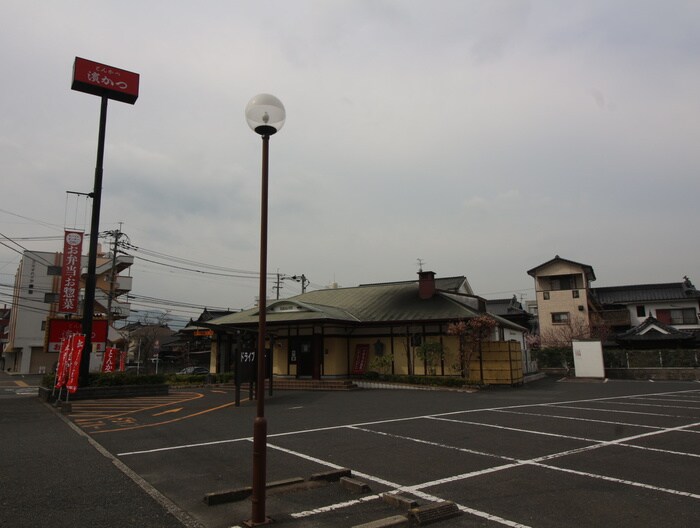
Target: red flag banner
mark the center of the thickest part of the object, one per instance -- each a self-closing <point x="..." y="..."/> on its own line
<point x="109" y="362"/>
<point x="70" y="272"/>
<point x="74" y="373"/>
<point x="122" y="361"/>
<point x="64" y="361"/>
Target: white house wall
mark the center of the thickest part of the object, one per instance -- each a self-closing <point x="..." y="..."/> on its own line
<point x="651" y="308"/>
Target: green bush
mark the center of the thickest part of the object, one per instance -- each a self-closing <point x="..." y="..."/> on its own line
<point x="113" y="379"/>
<point x="554" y="357"/>
<point x="381" y="364"/>
<point x="199" y="379"/>
<point x="433" y="381"/>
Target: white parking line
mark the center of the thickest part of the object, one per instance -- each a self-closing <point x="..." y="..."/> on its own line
<point x="396" y="488"/>
<point x="655" y="405"/>
<point x="409" y="418"/>
<point x="617" y="411"/>
<point x="418" y="489"/>
<point x="538" y="460"/>
<point x="574" y="418"/>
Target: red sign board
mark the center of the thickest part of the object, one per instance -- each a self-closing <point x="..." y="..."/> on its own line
<point x="361" y="356"/>
<point x="99" y="79"/>
<point x="61" y="329"/>
<point x="70" y="272"/>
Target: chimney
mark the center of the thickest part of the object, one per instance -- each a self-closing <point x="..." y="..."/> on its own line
<point x="426" y="284"/>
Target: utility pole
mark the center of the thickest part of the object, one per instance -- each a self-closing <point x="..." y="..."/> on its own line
<point x="301" y="278"/>
<point x="117" y="235"/>
<point x="278" y="287"/>
<point x="298" y="278"/>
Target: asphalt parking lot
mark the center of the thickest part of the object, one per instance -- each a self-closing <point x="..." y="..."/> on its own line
<point x="549" y="454"/>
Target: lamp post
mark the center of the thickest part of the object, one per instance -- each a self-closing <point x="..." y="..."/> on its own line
<point x="265" y="116"/>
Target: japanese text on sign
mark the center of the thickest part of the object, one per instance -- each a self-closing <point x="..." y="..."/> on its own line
<point x="106" y="81"/>
<point x="70" y="272"/>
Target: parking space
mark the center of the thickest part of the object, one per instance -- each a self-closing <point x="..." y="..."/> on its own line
<point x="552" y="454"/>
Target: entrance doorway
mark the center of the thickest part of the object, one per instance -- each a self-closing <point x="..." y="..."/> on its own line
<point x="304" y="353"/>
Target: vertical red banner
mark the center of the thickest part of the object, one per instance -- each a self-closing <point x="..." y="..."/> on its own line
<point x="109" y="362"/>
<point x="122" y="361"/>
<point x="64" y="361"/>
<point x="74" y="373"/>
<point x="70" y="272"/>
<point x="361" y="356"/>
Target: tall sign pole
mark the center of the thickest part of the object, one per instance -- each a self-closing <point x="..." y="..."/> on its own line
<point x="106" y="82"/>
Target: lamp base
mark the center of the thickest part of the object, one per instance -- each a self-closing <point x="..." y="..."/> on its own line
<point x="250" y="523"/>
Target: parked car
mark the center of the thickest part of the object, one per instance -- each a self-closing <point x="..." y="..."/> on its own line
<point x="194" y="370"/>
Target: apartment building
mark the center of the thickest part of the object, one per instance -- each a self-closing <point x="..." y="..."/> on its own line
<point x="35" y="304"/>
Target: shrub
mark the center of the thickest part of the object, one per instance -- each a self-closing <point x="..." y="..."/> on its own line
<point x="112" y="379"/>
<point x="434" y="381"/>
<point x="381" y="364"/>
<point x="554" y="357"/>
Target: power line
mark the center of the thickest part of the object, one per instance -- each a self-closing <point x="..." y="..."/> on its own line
<point x="25" y="250"/>
<point x="188" y="262"/>
<point x="46" y="224"/>
<point x="193" y="270"/>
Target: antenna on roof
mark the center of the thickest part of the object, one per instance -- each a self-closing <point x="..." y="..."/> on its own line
<point x="420" y="265"/>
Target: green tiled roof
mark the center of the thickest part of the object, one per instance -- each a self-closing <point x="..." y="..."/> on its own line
<point x="371" y="304"/>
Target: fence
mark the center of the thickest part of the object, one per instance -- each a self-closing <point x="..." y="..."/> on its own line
<point x="502" y="364"/>
<point x="681" y="358"/>
<point x="670" y="364"/>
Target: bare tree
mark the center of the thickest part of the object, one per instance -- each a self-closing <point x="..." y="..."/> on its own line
<point x="561" y="335"/>
<point x="470" y="335"/>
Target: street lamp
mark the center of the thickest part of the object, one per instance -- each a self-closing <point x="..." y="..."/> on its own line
<point x="265" y="116"/>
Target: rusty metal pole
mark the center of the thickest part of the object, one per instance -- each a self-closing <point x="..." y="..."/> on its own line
<point x="260" y="424"/>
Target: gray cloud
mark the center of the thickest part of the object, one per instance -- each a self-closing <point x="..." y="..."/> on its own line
<point x="483" y="137"/>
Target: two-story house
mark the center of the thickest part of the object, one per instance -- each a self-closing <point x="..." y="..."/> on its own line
<point x="565" y="305"/>
<point x="568" y="307"/>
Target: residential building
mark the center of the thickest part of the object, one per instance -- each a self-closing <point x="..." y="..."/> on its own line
<point x="568" y="306"/>
<point x="195" y="341"/>
<point x="35" y="303"/>
<point x="512" y="310"/>
<point x="338" y="332"/>
<point x="150" y="347"/>
<point x="565" y="307"/>
<point x="672" y="303"/>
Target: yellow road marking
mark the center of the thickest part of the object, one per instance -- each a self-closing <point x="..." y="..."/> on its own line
<point x="83" y="416"/>
<point x="179" y="419"/>
<point x="169" y="411"/>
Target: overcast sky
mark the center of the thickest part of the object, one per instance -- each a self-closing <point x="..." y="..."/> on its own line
<point x="483" y="137"/>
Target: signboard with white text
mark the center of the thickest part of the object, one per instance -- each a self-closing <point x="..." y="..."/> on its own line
<point x="70" y="272"/>
<point x="106" y="81"/>
<point x="61" y="329"/>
